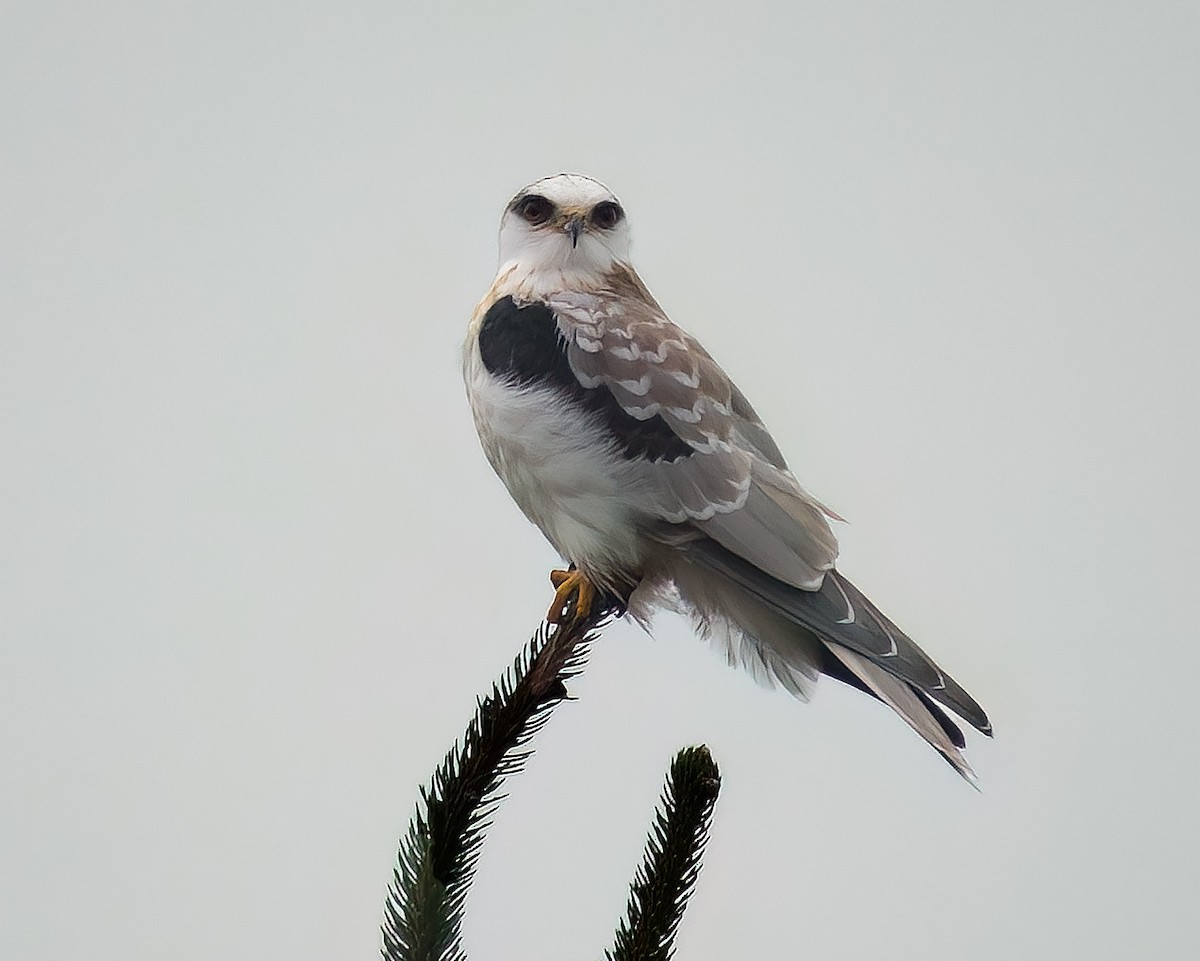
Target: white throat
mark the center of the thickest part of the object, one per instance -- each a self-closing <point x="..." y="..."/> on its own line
<point x="536" y="273"/>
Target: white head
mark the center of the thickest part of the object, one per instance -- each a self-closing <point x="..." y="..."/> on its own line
<point x="567" y="223"/>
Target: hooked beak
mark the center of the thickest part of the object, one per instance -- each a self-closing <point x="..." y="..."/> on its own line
<point x="574" y="228"/>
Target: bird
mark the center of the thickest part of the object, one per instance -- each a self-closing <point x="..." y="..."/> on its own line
<point x="622" y="439"/>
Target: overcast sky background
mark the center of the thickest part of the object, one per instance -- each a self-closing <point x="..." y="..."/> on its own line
<point x="254" y="568"/>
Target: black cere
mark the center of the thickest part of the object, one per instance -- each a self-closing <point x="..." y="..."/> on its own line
<point x="522" y="344"/>
<point x="606" y="215"/>
<point x="534" y="209"/>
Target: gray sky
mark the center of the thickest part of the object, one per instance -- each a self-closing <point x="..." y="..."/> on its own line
<point x="255" y="568"/>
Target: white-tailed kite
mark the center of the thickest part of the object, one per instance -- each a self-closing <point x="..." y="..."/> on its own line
<point x="648" y="470"/>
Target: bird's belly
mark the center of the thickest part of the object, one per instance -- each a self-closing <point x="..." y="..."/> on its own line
<point x="560" y="470"/>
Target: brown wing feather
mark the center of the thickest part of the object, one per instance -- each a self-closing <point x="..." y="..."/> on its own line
<point x="735" y="487"/>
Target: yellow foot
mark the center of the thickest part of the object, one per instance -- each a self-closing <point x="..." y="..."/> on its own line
<point x="574" y="596"/>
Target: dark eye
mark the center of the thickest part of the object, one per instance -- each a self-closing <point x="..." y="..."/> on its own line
<point x="535" y="210"/>
<point x="606" y="215"/>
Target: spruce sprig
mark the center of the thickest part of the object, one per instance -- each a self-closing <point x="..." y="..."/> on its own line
<point x="437" y="857"/>
<point x="667" y="876"/>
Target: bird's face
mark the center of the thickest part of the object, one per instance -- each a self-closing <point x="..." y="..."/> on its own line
<point x="567" y="223"/>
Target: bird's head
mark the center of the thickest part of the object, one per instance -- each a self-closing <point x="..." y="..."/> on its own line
<point x="567" y="223"/>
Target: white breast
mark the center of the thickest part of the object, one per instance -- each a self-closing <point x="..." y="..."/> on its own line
<point x="559" y="468"/>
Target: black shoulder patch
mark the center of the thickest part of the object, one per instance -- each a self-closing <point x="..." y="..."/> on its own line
<point x="523" y="345"/>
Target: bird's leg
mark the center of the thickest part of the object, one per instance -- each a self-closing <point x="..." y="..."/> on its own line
<point x="574" y="596"/>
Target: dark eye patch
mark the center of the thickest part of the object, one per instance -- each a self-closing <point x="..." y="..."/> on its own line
<point x="534" y="209"/>
<point x="606" y="215"/>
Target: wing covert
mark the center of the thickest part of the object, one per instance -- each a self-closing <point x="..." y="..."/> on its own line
<point x="733" y="485"/>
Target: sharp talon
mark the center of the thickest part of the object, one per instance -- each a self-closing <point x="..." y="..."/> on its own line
<point x="573" y="598"/>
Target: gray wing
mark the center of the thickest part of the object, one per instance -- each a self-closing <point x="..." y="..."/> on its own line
<point x="843" y="617"/>
<point x="761" y="531"/>
<point x="733" y="485"/>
